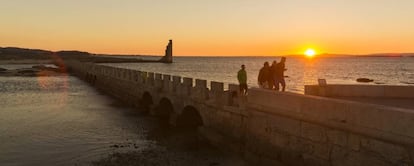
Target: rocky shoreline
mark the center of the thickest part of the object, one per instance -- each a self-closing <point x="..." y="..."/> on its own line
<point x="34" y="71"/>
<point x="173" y="147"/>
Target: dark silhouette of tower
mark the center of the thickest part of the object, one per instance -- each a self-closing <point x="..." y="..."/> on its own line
<point x="168" y="57"/>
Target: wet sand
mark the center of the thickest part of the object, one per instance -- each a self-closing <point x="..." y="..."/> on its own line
<point x="174" y="147"/>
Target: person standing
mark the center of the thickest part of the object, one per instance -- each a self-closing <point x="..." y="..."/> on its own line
<point x="272" y="76"/>
<point x="280" y="74"/>
<point x="264" y="79"/>
<point x="242" y="78"/>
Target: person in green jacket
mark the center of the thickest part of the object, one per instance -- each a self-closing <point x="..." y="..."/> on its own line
<point x="242" y="77"/>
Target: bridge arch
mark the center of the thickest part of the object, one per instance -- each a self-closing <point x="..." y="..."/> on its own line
<point x="164" y="109"/>
<point x="146" y="101"/>
<point x="190" y="118"/>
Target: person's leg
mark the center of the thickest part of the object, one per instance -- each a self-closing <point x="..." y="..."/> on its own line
<point x="283" y="82"/>
<point x="270" y="84"/>
<point x="277" y="81"/>
<point x="245" y="89"/>
<point x="241" y="88"/>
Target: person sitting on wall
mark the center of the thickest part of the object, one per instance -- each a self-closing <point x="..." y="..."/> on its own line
<point x="264" y="79"/>
<point x="242" y="78"/>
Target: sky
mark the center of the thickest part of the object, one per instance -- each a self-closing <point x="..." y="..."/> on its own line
<point x="209" y="27"/>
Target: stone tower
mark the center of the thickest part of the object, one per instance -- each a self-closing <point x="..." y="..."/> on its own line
<point x="168" y="57"/>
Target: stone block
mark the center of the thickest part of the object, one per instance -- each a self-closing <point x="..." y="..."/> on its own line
<point x="280" y="124"/>
<point x="337" y="137"/>
<point x="325" y="110"/>
<point x="188" y="81"/>
<point x="385" y="119"/>
<point x="201" y="84"/>
<point x="131" y="75"/>
<point x="345" y="157"/>
<point x="234" y="87"/>
<point x="354" y="142"/>
<point x="166" y="77"/>
<point x="187" y="86"/>
<point x="354" y="90"/>
<point x="399" y="91"/>
<point x="217" y="92"/>
<point x="277" y="102"/>
<point x="392" y="153"/>
<point x="280" y="140"/>
<point x="313" y="132"/>
<point x="158" y="76"/>
<point x="217" y="87"/>
<point x="176" y="80"/>
<point x="312" y="90"/>
<point x="151" y="78"/>
<point x="258" y="126"/>
<point x="137" y="76"/>
<point x="143" y="77"/>
<point x="167" y="83"/>
<point x="176" y="83"/>
<point x="200" y="90"/>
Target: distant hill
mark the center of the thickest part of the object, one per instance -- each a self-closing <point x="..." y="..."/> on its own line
<point x="8" y="53"/>
<point x="391" y="55"/>
<point x="360" y="55"/>
<point x="23" y="53"/>
<point x="14" y="53"/>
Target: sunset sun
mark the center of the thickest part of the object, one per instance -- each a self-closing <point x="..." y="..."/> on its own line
<point x="310" y="53"/>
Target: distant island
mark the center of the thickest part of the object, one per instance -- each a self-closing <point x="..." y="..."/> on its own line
<point x="361" y="55"/>
<point x="21" y="54"/>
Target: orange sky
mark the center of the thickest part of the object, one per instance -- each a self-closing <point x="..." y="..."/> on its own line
<point x="215" y="27"/>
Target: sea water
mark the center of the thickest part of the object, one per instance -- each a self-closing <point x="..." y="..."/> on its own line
<point x="61" y="121"/>
<point x="300" y="71"/>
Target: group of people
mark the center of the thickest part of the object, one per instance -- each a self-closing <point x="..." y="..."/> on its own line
<point x="270" y="76"/>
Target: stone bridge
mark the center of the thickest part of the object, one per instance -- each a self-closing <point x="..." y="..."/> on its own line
<point x="265" y="127"/>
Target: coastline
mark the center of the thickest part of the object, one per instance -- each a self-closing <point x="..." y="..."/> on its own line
<point x="25" y="61"/>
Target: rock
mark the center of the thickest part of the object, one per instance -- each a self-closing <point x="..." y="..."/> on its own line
<point x="114" y="146"/>
<point x="27" y="71"/>
<point x="364" y="80"/>
<point x="39" y="67"/>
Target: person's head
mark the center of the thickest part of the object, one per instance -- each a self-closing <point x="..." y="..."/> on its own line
<point x="266" y="64"/>
<point x="274" y="62"/>
<point x="283" y="59"/>
<point x="243" y="67"/>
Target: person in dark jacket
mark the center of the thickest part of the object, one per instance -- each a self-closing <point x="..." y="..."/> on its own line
<point x="265" y="79"/>
<point x="279" y="74"/>
<point x="272" y="76"/>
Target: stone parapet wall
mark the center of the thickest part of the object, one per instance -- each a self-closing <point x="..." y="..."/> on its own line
<point x="310" y="130"/>
<point x="375" y="91"/>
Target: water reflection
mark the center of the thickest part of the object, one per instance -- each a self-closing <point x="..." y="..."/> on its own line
<point x="301" y="71"/>
<point x="61" y="122"/>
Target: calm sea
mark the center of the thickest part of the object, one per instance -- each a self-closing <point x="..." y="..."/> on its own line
<point x="300" y="71"/>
